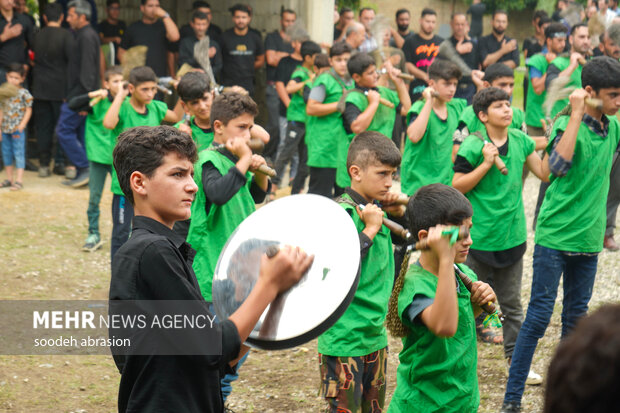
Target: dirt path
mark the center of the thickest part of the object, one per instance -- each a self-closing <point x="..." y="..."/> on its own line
<point x="42" y="229"/>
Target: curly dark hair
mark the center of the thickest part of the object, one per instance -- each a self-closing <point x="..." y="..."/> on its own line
<point x="231" y="105"/>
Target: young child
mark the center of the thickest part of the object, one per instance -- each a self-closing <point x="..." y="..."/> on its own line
<point x="99" y="143"/>
<point x="294" y="140"/>
<point x="502" y="77"/>
<point x="155" y="167"/>
<point x="497" y="201"/>
<point x="15" y="113"/>
<point x="353" y="352"/>
<point x="139" y="110"/>
<point x="194" y="91"/>
<point x="229" y="186"/>
<point x="324" y="125"/>
<point x="571" y="224"/>
<point x="427" y="155"/>
<point x="363" y="111"/>
<point x="433" y="312"/>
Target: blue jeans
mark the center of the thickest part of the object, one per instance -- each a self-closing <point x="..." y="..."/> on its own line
<point x="578" y="272"/>
<point x="70" y="132"/>
<point x="14" y="147"/>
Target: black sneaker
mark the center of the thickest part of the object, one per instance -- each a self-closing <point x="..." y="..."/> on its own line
<point x="59" y="169"/>
<point x="511" y="407"/>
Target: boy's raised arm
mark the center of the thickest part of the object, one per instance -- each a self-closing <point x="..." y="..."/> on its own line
<point x="535" y="164"/>
<point x="110" y="120"/>
<point x="417" y="129"/>
<point x="465" y="182"/>
<point x="361" y="123"/>
<point x="316" y="108"/>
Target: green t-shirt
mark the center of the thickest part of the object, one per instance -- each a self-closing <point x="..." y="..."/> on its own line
<point x="572" y="216"/>
<point x="436" y="374"/>
<point x="430" y="160"/>
<point x="382" y="122"/>
<point x="534" y="111"/>
<point x="208" y="233"/>
<point x="129" y="118"/>
<point x="99" y="141"/>
<point x="296" y="110"/>
<point x="202" y="137"/>
<point x="323" y="133"/>
<point x="470" y="119"/>
<point x="575" y="81"/>
<point x="361" y="330"/>
<point x="499" y="215"/>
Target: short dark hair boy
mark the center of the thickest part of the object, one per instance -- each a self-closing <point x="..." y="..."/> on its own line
<point x="194" y="90"/>
<point x="359" y="336"/>
<point x="155" y="167"/>
<point x="435" y="317"/>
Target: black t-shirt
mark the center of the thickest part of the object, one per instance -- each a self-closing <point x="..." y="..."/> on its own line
<point x="489" y="44"/>
<point x="532" y="46"/>
<point x="152" y="36"/>
<point x="421" y="53"/>
<point x="14" y="50"/>
<point x="239" y="53"/>
<point x="285" y="69"/>
<point x="274" y="41"/>
<point x="108" y="29"/>
<point x="53" y="46"/>
<point x="405" y="37"/>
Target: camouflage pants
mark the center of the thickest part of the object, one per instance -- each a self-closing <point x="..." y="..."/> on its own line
<point x="354" y="384"/>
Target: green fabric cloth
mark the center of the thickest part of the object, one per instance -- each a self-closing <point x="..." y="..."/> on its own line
<point x="534" y="111"/>
<point x="572" y="216"/>
<point x="203" y="139"/>
<point x="324" y="133"/>
<point x="208" y="233"/>
<point x="436" y="374"/>
<point x="296" y="110"/>
<point x="382" y="121"/>
<point x="361" y="329"/>
<point x="499" y="215"/>
<point x="575" y="81"/>
<point x="99" y="141"/>
<point x="129" y="118"/>
<point x="430" y="160"/>
<point x="470" y="119"/>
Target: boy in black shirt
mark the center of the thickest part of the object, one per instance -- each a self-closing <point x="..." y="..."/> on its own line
<point x="111" y="29"/>
<point x="155" y="168"/>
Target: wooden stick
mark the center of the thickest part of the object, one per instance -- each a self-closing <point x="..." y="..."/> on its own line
<point x="393" y="226"/>
<point x="383" y="101"/>
<point x="256" y="145"/>
<point x="264" y="169"/>
<point x="488" y="307"/>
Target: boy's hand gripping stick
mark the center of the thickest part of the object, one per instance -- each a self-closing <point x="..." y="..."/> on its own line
<point x="494" y="317"/>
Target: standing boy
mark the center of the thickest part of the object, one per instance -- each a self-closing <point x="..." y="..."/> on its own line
<point x="15" y="113"/>
<point x="580" y="156"/>
<point x="194" y="91"/>
<point x="294" y="139"/>
<point x="324" y="127"/>
<point x="99" y="142"/>
<point x="427" y="156"/>
<point x="227" y="188"/>
<point x="433" y="312"/>
<point x="155" y="172"/>
<point x="353" y="352"/>
<point x="363" y="110"/>
<point x="139" y="110"/>
<point x="497" y="200"/>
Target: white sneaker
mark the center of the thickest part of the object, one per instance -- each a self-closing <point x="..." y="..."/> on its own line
<point x="533" y="378"/>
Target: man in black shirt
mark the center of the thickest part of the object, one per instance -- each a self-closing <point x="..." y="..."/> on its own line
<point x="420" y="51"/>
<point x="277" y="47"/>
<point x="82" y="77"/>
<point x="400" y="36"/>
<point x="154" y="31"/>
<point x="52" y="47"/>
<point x="16" y="32"/>
<point x="155" y="168"/>
<point x="468" y="50"/>
<point x="111" y="29"/>
<point x="497" y="47"/>
<point x="476" y="10"/>
<point x="242" y="50"/>
<point x="346" y="17"/>
<point x="199" y="25"/>
<point x="214" y="31"/>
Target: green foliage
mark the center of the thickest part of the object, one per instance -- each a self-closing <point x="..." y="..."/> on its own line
<point x="508" y="5"/>
<point x="352" y="4"/>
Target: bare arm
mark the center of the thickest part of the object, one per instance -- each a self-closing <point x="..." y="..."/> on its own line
<point x="566" y="146"/>
<point x="294" y="86"/>
<point x="24" y="122"/>
<point x="259" y="61"/>
<point x="415" y="131"/>
<point x="361" y="123"/>
<point x="273" y="57"/>
<point x="315" y="108"/>
<point x="172" y="31"/>
<point x="398" y="39"/>
<point x="535" y="164"/>
<point x="419" y="74"/>
<point x="110" y="120"/>
<point x="175" y="115"/>
<point x="466" y="182"/>
<point x="281" y="90"/>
